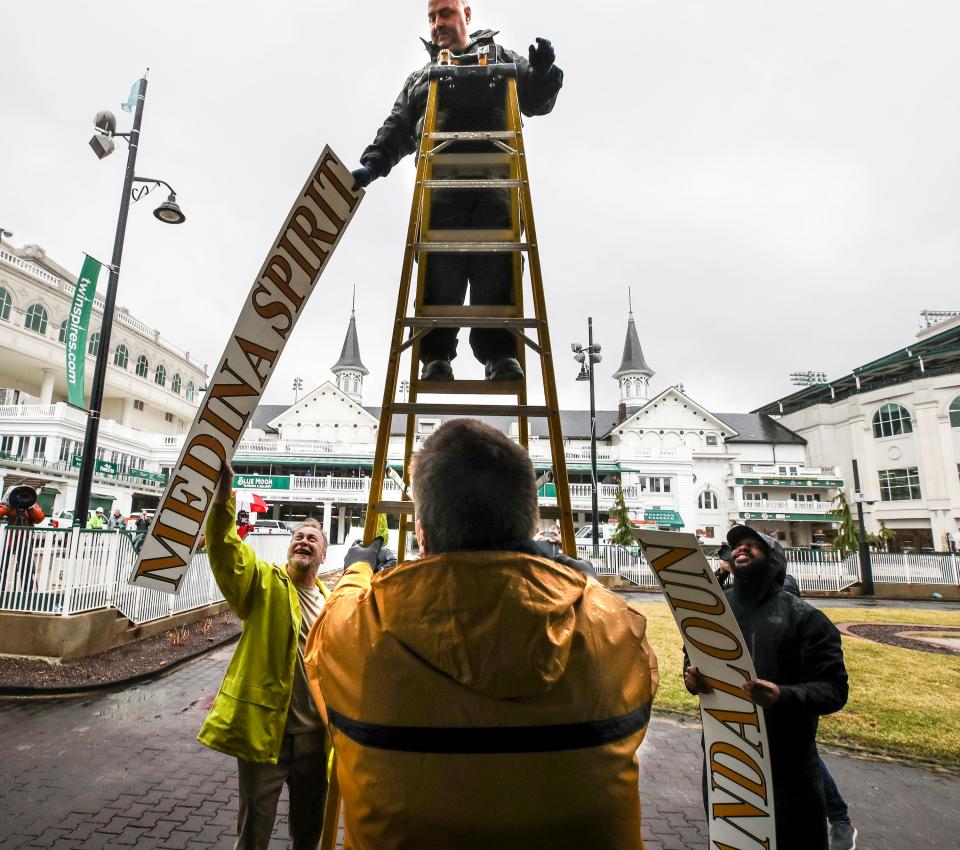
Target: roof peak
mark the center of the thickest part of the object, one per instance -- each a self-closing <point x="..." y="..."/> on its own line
<point x="633" y="361"/>
<point x="350" y="353"/>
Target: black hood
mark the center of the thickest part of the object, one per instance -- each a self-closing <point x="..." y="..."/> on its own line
<point x="775" y="554"/>
<point x="477" y="39"/>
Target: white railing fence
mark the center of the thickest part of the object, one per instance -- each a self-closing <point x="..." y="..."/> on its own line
<point x="817" y="570"/>
<point x="69" y="571"/>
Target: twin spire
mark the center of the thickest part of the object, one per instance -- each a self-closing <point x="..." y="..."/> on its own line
<point x="349" y="370"/>
<point x="633" y="375"/>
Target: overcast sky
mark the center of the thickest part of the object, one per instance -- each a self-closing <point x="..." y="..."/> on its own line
<point x="778" y="182"/>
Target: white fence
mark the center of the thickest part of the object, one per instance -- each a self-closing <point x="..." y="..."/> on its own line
<point x="815" y="570"/>
<point x="68" y="571"/>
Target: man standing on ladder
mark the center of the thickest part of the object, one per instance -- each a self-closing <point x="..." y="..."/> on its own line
<point x="490" y="275"/>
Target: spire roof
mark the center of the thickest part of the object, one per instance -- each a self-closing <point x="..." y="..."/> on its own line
<point x="350" y="353"/>
<point x="633" y="361"/>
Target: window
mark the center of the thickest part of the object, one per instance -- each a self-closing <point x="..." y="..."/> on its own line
<point x="160" y="376"/>
<point x="36" y="319"/>
<point x="712" y="440"/>
<point x="137" y="404"/>
<point x="707" y="501"/>
<point x="121" y="357"/>
<point x="39" y="446"/>
<point x="66" y="450"/>
<point x="5" y="302"/>
<point x="805" y="497"/>
<point x="189" y="392"/>
<point x="62" y="336"/>
<point x="93" y="347"/>
<point x="890" y="420"/>
<point x="755" y="497"/>
<point x="143" y="366"/>
<point x="898" y="485"/>
<point x="168" y="417"/>
<point x="175" y="383"/>
<point x="955" y="413"/>
<point x="787" y="470"/>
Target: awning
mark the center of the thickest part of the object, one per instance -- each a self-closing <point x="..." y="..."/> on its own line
<point x="669" y="518"/>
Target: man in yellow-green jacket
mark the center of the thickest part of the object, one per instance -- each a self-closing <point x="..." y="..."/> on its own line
<point x="264" y="713"/>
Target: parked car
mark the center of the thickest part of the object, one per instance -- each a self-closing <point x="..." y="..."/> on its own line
<point x="269" y="526"/>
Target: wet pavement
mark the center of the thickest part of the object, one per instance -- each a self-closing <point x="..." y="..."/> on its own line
<point x="123" y="769"/>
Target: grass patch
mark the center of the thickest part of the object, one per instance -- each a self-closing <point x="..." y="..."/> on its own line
<point x="902" y="702"/>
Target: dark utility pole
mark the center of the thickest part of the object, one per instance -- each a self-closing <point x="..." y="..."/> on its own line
<point x="88" y="462"/>
<point x="593" y="442"/>
<point x="866" y="568"/>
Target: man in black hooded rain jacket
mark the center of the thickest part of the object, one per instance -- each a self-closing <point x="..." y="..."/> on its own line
<point x="465" y="107"/>
<point x="800" y="675"/>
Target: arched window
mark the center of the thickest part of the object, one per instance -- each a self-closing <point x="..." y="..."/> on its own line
<point x="890" y="420"/>
<point x="708" y="501"/>
<point x="5" y="302"/>
<point x="189" y="392"/>
<point x="955" y="413"/>
<point x="160" y="376"/>
<point x="62" y="336"/>
<point x="36" y="319"/>
<point x="93" y="347"/>
<point x="143" y="366"/>
<point x="175" y="383"/>
<point x="121" y="357"/>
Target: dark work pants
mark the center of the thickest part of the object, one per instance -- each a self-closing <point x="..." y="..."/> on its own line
<point x="489" y="275"/>
<point x="303" y="767"/>
<point x="836" y="805"/>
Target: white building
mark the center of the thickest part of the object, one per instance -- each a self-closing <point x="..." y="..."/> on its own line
<point x="899" y="418"/>
<point x="680" y="465"/>
<point x="151" y="391"/>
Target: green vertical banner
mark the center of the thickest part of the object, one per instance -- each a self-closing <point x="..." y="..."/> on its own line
<point x="78" y="323"/>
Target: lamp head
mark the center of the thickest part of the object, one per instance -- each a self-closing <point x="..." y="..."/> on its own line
<point x="105" y="122"/>
<point x="102" y="145"/>
<point x="169" y="212"/>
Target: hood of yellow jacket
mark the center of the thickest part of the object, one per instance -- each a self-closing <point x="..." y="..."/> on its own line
<point x="500" y="623"/>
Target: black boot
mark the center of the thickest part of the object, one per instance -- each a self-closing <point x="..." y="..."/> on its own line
<point x="437" y="370"/>
<point x="504" y="369"/>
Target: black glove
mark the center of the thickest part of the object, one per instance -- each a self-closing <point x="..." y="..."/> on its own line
<point x="362" y="177"/>
<point x="542" y="56"/>
<point x="360" y="554"/>
<point x="386" y="558"/>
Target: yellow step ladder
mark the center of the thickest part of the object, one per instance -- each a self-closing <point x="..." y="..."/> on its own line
<point x="504" y="167"/>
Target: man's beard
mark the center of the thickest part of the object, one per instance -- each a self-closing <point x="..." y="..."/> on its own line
<point x="753" y="568"/>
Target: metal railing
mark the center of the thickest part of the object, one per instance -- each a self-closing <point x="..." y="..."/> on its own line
<point x="70" y="571"/>
<point x="816" y="570"/>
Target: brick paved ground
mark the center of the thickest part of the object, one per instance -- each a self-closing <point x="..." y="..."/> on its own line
<point x="123" y="769"/>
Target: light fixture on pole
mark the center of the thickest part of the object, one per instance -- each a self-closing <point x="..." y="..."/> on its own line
<point x="807" y="379"/>
<point x="297" y="388"/>
<point x="168" y="212"/>
<point x="587" y="356"/>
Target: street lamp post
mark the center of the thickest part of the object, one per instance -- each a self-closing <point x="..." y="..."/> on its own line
<point x="866" y="567"/>
<point x="167" y="212"/>
<point x="587" y="357"/>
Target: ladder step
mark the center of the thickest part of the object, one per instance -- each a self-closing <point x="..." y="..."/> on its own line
<point x="472" y="183"/>
<point x="469" y="387"/>
<point x="394" y="508"/>
<point x="470" y="310"/>
<point x="474" y="135"/>
<point x="470" y="234"/>
<point x="469" y="322"/>
<point x="470" y="247"/>
<point x="473" y="409"/>
<point x="470" y="163"/>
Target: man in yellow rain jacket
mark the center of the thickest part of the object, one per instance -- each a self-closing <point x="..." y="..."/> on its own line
<point x="486" y="695"/>
<point x="264" y="714"/>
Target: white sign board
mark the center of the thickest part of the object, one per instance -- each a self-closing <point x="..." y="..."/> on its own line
<point x="311" y="232"/>
<point x="740" y="813"/>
